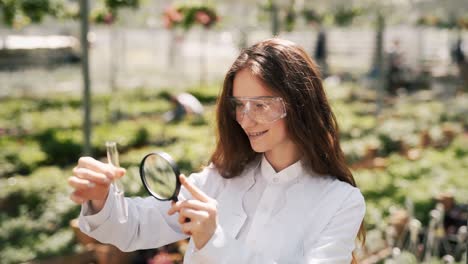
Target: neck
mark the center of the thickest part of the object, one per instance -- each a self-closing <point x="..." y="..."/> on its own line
<point x="280" y="161"/>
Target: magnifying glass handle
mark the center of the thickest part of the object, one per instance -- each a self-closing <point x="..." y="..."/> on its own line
<point x="119" y="193"/>
<point x="175" y="200"/>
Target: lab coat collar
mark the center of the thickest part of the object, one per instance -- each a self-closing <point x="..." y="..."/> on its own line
<point x="232" y="213"/>
<point x="282" y="177"/>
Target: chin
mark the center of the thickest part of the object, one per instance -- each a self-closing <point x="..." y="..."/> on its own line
<point x="258" y="149"/>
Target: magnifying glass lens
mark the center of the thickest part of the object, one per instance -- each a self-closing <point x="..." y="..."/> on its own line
<point x="159" y="177"/>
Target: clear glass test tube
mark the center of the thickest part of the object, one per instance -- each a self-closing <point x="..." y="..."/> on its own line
<point x="119" y="193"/>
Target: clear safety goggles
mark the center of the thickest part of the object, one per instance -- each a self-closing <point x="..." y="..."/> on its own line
<point x="262" y="109"/>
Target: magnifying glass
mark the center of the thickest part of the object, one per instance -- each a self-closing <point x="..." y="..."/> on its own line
<point x="160" y="176"/>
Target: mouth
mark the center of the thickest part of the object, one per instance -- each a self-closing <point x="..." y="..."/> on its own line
<point x="255" y="135"/>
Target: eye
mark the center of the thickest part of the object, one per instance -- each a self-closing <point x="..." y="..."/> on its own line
<point x="261" y="106"/>
<point x="237" y="105"/>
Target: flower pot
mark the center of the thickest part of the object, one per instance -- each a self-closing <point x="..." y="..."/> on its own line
<point x="371" y="152"/>
<point x="425" y="139"/>
<point x="399" y="220"/>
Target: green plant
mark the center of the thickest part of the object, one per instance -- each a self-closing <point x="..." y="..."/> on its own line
<point x="102" y="15"/>
<point x="141" y="137"/>
<point x="114" y="4"/>
<point x="312" y="16"/>
<point x="35" y="9"/>
<point x="18" y="13"/>
<point x="34" y="215"/>
<point x="290" y="19"/>
<point x="35" y="209"/>
<point x="61" y="147"/>
<point x="443" y="22"/>
<point x="108" y="12"/>
<point x="19" y="155"/>
<point x="345" y="16"/>
<point x="205" y="94"/>
<point x="9" y="9"/>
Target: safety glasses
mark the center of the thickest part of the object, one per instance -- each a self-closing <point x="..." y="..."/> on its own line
<point x="262" y="109"/>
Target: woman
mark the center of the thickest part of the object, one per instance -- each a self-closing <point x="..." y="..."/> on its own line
<point x="277" y="189"/>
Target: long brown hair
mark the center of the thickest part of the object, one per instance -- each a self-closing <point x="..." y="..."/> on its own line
<point x="286" y="69"/>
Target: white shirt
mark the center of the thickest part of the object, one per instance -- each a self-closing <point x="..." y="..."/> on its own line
<point x="300" y="217"/>
<point x="191" y="103"/>
<point x="265" y="177"/>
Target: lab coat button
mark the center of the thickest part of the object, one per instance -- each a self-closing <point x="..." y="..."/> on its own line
<point x="275" y="180"/>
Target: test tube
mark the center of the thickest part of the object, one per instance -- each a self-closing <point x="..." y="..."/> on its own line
<point x="119" y="193"/>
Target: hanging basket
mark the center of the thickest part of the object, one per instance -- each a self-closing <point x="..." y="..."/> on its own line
<point x="187" y="16"/>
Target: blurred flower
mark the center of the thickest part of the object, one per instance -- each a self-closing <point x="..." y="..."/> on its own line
<point x="171" y="17"/>
<point x="203" y="18"/>
<point x="108" y="18"/>
<point x="188" y="15"/>
<point x="103" y="16"/>
<point x="161" y="258"/>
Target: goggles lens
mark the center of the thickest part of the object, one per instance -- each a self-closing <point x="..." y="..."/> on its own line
<point x="264" y="109"/>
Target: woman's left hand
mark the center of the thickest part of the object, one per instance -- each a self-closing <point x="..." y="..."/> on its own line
<point x="202" y="212"/>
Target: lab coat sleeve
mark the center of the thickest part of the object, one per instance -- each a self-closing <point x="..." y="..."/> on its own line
<point x="335" y="244"/>
<point x="148" y="224"/>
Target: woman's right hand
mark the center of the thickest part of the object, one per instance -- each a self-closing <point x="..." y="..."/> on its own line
<point x="91" y="180"/>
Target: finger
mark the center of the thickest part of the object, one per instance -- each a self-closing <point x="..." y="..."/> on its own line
<point x="176" y="206"/>
<point x="173" y="208"/>
<point x="109" y="170"/>
<point x="77" y="199"/>
<point x="90" y="175"/>
<point x="96" y="193"/>
<point x="80" y="184"/>
<point x="188" y="227"/>
<point x="192" y="204"/>
<point x="193" y="215"/>
<point x="197" y="193"/>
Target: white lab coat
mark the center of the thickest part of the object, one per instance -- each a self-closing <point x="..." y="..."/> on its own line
<point x="314" y="219"/>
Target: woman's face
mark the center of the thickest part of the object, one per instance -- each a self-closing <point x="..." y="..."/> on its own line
<point x="269" y="138"/>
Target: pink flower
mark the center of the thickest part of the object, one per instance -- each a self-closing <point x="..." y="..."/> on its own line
<point x="203" y="18"/>
<point x="173" y="14"/>
<point x="167" y="22"/>
<point x="108" y="18"/>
